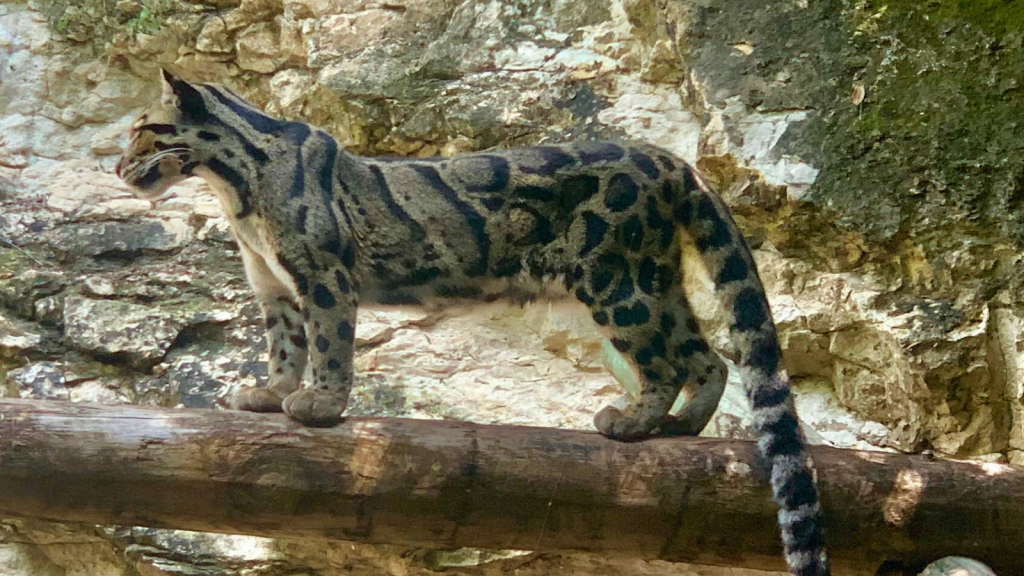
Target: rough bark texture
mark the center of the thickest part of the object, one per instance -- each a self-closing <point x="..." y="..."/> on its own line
<point x="456" y="484"/>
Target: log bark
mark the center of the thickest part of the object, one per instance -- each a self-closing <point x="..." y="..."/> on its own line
<point x="451" y="484"/>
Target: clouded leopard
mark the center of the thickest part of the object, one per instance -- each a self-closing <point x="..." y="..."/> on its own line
<point x="321" y="230"/>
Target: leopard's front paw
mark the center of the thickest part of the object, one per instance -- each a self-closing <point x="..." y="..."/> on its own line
<point x="254" y="399"/>
<point x="315" y="407"/>
<point x="619" y="425"/>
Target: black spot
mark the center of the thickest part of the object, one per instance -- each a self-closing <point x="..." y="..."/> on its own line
<point x="255" y="153"/>
<point x="189" y="167"/>
<point x="659" y="224"/>
<point x="631" y="316"/>
<point x="398" y="298"/>
<point x="668" y="192"/>
<point x="161" y="129"/>
<point x="332" y="245"/>
<point x="298" y="176"/>
<point x="208" y="136"/>
<point x="505" y="267"/>
<point x="805" y="536"/>
<point x="681" y="375"/>
<point x="682" y="212"/>
<point x="342" y="281"/>
<point x="620" y="344"/>
<point x="533" y="193"/>
<point x="645" y="164"/>
<point x="595" y="228"/>
<point x="644" y="357"/>
<point x="541" y="232"/>
<point x="322" y="297"/>
<point x="666" y="163"/>
<point x="689" y="181"/>
<point x="161" y="146"/>
<point x="554" y="160"/>
<point x="577" y="273"/>
<point x="797" y="491"/>
<point x="734" y="269"/>
<point x="601" y="317"/>
<point x="346" y="332"/>
<point x="658" y="344"/>
<point x="282" y="354"/>
<point x="651" y="375"/>
<point x="608" y="267"/>
<point x="311" y="258"/>
<point x="499" y="176"/>
<point x="621" y="192"/>
<point x="298" y="340"/>
<point x="765" y="353"/>
<point x="322" y="344"/>
<point x="328" y="156"/>
<point x="271" y="321"/>
<point x="767" y="397"/>
<point x="493" y="203"/>
<point x="152" y="176"/>
<point x="623" y="291"/>
<point x="601" y="279"/>
<point x="783" y="439"/>
<point x="417" y="277"/>
<point x="750" y="310"/>
<point x="575" y="190"/>
<point x="631" y="233"/>
<point x="667" y="322"/>
<point x="691" y="347"/>
<point x="605" y="152"/>
<point x="333" y="365"/>
<point x="298" y="277"/>
<point x="584" y="297"/>
<point x="468" y="292"/>
<point x="348" y="255"/>
<point x="719" y="234"/>
<point x="645" y="276"/>
<point x="300" y="219"/>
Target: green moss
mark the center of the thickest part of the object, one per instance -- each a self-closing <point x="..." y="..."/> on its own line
<point x="995" y="17"/>
<point x="100" y="21"/>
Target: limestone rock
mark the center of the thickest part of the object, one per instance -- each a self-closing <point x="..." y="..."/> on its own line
<point x="14" y="339"/>
<point x="112" y="327"/>
<point x="94" y="239"/>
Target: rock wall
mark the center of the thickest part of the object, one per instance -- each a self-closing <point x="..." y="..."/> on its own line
<point x="868" y="151"/>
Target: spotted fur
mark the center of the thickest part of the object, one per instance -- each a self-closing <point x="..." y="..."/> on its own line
<point x="321" y="230"/>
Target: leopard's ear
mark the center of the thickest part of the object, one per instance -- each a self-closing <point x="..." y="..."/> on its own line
<point x="167" y="80"/>
<point x="181" y="95"/>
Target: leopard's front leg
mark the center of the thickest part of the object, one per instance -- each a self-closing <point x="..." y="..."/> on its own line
<point x="286" y="338"/>
<point x="329" y="310"/>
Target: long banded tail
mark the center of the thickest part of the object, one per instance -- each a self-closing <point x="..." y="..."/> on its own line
<point x="752" y="331"/>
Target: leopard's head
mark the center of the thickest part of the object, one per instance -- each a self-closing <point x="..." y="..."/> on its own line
<point x="160" y="152"/>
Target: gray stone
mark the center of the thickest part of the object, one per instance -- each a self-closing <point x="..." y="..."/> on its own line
<point x="95" y="239"/>
<point x="41" y="381"/>
<point x="139" y="333"/>
<point x="14" y="339"/>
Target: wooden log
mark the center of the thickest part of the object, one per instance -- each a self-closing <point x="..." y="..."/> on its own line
<point x="453" y="484"/>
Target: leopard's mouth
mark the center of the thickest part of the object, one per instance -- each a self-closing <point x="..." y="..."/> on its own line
<point x="152" y="177"/>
